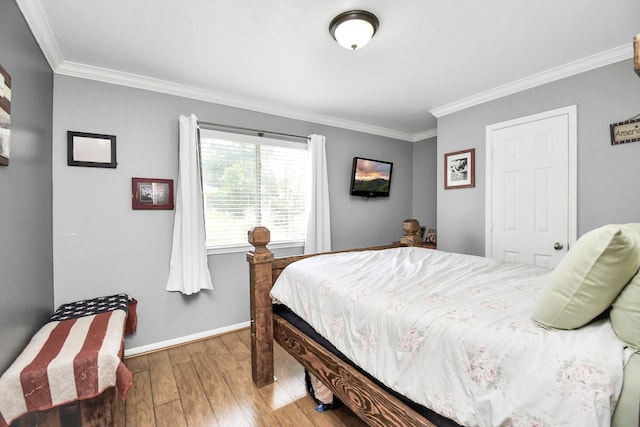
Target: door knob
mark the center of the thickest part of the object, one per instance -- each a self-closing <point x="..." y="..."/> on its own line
<point x="558" y="246"/>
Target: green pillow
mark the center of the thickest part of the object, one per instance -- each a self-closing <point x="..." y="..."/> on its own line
<point x="625" y="310"/>
<point x="588" y="278"/>
<point x="625" y="313"/>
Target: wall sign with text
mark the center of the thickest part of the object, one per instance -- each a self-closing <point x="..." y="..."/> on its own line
<point x="627" y="131"/>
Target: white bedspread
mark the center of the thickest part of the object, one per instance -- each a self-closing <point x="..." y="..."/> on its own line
<point x="453" y="333"/>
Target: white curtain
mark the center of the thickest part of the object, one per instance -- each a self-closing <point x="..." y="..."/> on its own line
<point x="188" y="269"/>
<point x="319" y="222"/>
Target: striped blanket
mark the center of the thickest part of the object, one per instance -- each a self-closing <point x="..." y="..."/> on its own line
<point x="67" y="360"/>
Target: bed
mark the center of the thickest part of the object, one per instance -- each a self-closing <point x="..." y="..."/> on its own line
<point x="515" y="371"/>
<point x="71" y="368"/>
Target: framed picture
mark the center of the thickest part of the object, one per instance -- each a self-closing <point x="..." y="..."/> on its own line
<point x="91" y="149"/>
<point x="431" y="237"/>
<point x="5" y="116"/>
<point x="459" y="169"/>
<point x="152" y="193"/>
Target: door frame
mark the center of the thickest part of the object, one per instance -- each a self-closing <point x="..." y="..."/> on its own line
<point x="571" y="112"/>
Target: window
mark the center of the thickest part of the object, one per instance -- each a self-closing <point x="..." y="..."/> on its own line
<point x="248" y="181"/>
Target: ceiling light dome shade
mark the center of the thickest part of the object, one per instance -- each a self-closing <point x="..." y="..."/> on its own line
<point x="354" y="29"/>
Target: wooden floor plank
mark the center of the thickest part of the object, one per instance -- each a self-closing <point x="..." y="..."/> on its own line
<point x="280" y="354"/>
<point x="170" y="415"/>
<point x="245" y="336"/>
<point x="291" y="416"/>
<point x="208" y="382"/>
<point x="197" y="409"/>
<point x="195" y="347"/>
<point x="163" y="384"/>
<point x="139" y="403"/>
<point x="215" y="346"/>
<point x="249" y="397"/>
<point x="137" y="363"/>
<point x="222" y="400"/>
<point x="239" y="350"/>
<point x="178" y="355"/>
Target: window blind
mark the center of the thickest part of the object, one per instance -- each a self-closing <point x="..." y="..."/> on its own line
<point x="249" y="181"/>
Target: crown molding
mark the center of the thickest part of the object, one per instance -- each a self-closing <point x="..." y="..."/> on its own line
<point x="589" y="63"/>
<point x="39" y="26"/>
<point x="163" y="86"/>
<point x="423" y="136"/>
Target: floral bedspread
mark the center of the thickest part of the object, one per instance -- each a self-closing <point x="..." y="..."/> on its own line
<point x="453" y="333"/>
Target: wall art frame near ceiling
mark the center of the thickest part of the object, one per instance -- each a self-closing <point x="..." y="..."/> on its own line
<point x="460" y="169"/>
<point x="5" y="116"/>
<point x="624" y="132"/>
<point x="91" y="150"/>
<point x="152" y="193"/>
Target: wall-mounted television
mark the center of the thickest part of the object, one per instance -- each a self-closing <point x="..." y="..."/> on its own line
<point x="370" y="178"/>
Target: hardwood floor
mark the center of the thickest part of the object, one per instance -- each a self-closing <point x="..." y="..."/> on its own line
<point x="208" y="383"/>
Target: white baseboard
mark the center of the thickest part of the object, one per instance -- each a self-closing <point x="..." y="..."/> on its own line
<point x="183" y="340"/>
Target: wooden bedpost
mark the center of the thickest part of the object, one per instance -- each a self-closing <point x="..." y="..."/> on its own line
<point x="411" y="228"/>
<point x="260" y="266"/>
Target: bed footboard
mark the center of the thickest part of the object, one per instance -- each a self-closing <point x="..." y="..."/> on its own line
<point x="264" y="269"/>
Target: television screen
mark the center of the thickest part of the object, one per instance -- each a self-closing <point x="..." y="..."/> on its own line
<point x="370" y="178"/>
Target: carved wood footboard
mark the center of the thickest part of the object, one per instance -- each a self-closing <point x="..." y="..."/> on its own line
<point x="372" y="403"/>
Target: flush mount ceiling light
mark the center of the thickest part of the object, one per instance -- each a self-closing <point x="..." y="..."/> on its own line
<point x="354" y="29"/>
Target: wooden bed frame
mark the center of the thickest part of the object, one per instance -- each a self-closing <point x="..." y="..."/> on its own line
<point x="372" y="403"/>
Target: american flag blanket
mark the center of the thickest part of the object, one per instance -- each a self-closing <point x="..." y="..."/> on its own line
<point x="74" y="356"/>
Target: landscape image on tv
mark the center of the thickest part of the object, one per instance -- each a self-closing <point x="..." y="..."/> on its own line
<point x="372" y="176"/>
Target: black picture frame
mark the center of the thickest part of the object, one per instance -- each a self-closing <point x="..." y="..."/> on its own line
<point x="91" y="150"/>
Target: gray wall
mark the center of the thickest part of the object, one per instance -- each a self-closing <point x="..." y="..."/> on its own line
<point x="102" y="246"/>
<point x="607" y="175"/>
<point x="26" y="276"/>
<point x="425" y="168"/>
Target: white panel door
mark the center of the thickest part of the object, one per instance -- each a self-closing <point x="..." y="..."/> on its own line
<point x="529" y="194"/>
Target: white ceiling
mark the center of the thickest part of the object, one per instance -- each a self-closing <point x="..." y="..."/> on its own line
<point x="429" y="57"/>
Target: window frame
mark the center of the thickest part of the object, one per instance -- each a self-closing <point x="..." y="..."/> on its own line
<point x="213" y="249"/>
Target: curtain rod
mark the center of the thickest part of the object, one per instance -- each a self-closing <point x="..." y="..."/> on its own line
<point x="260" y="132"/>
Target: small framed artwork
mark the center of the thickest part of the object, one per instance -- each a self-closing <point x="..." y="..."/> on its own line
<point x="152" y="193"/>
<point x="5" y="116"/>
<point x="459" y="169"/>
<point x="91" y="150"/>
<point x="431" y="237"/>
